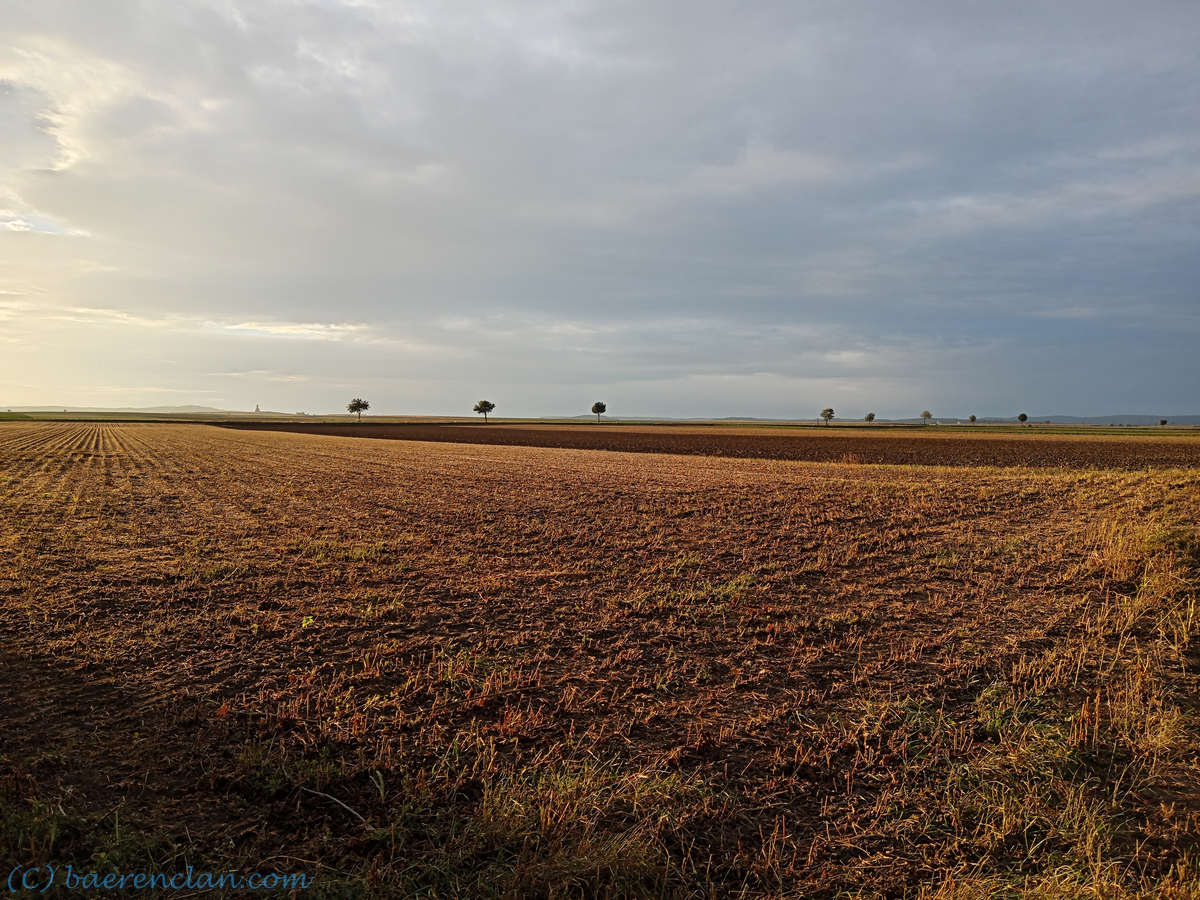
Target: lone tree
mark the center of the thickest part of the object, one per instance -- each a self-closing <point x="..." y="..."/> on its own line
<point x="598" y="409"/>
<point x="971" y="418"/>
<point x="358" y="405"/>
<point x="1022" y="418"/>
<point x="926" y="416"/>
<point x="869" y="417"/>
<point x="1162" y="421"/>
<point x="827" y="414"/>
<point x="483" y="407"/>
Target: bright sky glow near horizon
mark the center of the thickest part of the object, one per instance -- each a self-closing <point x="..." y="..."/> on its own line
<point x="680" y="208"/>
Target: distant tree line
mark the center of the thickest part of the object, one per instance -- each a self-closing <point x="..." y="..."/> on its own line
<point x="358" y="406"/>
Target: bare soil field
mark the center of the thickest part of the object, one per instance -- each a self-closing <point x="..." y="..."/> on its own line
<point x="887" y="446"/>
<point x="466" y="669"/>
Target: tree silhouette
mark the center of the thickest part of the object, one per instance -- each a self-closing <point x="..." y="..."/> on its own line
<point x="1022" y="418"/>
<point x="869" y="417"/>
<point x="598" y="409"/>
<point x="358" y="405"/>
<point x="827" y="414"/>
<point x="483" y="407"/>
<point x="1162" y="421"/>
<point x="971" y="418"/>
<point x="926" y="415"/>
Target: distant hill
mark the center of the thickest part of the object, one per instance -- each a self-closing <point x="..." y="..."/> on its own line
<point x="188" y="410"/>
<point x="1124" y="419"/>
<point x="1121" y="419"/>
<point x="178" y="410"/>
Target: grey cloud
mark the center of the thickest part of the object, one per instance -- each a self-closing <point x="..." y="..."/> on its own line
<point x="721" y="210"/>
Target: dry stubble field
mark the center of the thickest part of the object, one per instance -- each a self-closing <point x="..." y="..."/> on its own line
<point x="448" y="670"/>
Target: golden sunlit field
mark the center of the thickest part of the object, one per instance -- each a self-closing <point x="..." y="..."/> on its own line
<point x="416" y="668"/>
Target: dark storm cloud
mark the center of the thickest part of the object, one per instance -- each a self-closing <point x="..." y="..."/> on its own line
<point x="688" y="208"/>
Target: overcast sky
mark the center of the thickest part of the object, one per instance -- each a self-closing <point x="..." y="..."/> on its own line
<point x="690" y="208"/>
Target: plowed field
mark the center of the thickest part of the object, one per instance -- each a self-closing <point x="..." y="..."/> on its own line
<point x="899" y="447"/>
<point x="463" y="669"/>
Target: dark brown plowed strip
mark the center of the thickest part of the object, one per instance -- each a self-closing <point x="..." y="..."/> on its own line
<point x="1054" y="451"/>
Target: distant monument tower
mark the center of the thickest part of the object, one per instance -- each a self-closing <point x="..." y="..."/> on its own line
<point x="256" y="409"/>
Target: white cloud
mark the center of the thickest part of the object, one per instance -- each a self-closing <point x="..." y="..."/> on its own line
<point x="265" y="375"/>
<point x="87" y="315"/>
<point x="322" y="331"/>
<point x="75" y="86"/>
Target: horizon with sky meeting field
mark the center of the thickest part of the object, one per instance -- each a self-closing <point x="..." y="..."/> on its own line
<point x="687" y="210"/>
<point x="358" y="406"/>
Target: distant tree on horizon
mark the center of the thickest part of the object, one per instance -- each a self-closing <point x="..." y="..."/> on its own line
<point x="926" y="416"/>
<point x="971" y="418"/>
<point x="1022" y="418"/>
<point x="869" y="417"/>
<point x="827" y="414"/>
<point x="358" y="405"/>
<point x="483" y="407"/>
<point x="1162" y="421"/>
<point x="599" y="409"/>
